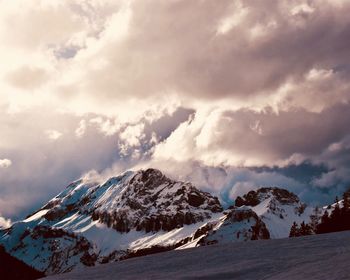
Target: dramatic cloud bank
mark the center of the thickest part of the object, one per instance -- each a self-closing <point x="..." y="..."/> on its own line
<point x="230" y="94"/>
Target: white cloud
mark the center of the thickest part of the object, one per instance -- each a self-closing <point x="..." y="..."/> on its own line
<point x="53" y="134"/>
<point x="268" y="82"/>
<point x="108" y="127"/>
<point x="318" y="74"/>
<point x="254" y="138"/>
<point x="5" y="163"/>
<point x="130" y="138"/>
<point x="234" y="19"/>
<point x="4" y="223"/>
<point x="133" y="134"/>
<point x="120" y="65"/>
<point x="302" y="8"/>
<point x="242" y="188"/>
<point x="80" y="131"/>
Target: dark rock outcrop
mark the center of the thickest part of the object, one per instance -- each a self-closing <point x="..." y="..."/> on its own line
<point x="253" y="198"/>
<point x="158" y="203"/>
<point x="239" y="224"/>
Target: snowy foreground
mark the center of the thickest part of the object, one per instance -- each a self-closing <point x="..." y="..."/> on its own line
<point x="324" y="256"/>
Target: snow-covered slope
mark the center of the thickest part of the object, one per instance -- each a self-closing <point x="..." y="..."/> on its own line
<point x="316" y="257"/>
<point x="142" y="212"/>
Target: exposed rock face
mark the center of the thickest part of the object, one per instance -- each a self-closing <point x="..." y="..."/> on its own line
<point x="153" y="202"/>
<point x="253" y="198"/>
<point x="146" y="200"/>
<point x="65" y="249"/>
<point x="277" y="208"/>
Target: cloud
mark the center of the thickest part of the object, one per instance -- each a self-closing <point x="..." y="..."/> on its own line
<point x="130" y="139"/>
<point x="5" y="163"/>
<point x="252" y="138"/>
<point x="337" y="158"/>
<point x="80" y="131"/>
<point x="107" y="57"/>
<point x="27" y="78"/>
<point x="227" y="182"/>
<point x="211" y="91"/>
<point x="190" y="60"/>
<point x="4" y="223"/>
<point x="238" y="12"/>
<point x="53" y="134"/>
<point x="45" y="164"/>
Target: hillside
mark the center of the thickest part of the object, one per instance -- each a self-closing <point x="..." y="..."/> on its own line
<point x="11" y="268"/>
<point x="318" y="257"/>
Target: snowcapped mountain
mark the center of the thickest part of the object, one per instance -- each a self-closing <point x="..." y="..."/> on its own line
<point x="240" y="224"/>
<point x="142" y="212"/>
<point x="277" y="208"/>
<point x="262" y="214"/>
<point x="92" y="223"/>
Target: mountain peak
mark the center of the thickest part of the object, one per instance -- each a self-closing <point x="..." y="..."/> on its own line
<point x="150" y="201"/>
<point x="142" y="200"/>
<point x="253" y="198"/>
<point x="240" y="224"/>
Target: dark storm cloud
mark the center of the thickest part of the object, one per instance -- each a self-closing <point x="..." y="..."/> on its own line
<point x="304" y="172"/>
<point x="285" y="133"/>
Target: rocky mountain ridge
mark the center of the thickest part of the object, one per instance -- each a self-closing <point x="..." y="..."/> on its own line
<point x="142" y="212"/>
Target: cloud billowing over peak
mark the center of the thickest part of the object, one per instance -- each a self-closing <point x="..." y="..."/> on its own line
<point x="229" y="94"/>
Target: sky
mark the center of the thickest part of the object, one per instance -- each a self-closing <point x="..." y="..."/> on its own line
<point x="230" y="95"/>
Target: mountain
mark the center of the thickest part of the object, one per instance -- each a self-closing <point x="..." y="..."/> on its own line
<point x="139" y="213"/>
<point x="240" y="224"/>
<point x="91" y="222"/>
<point x="277" y="208"/>
<point x="262" y="214"/>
